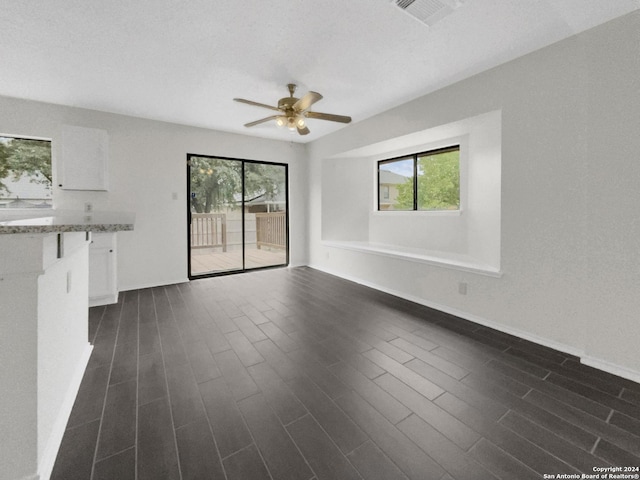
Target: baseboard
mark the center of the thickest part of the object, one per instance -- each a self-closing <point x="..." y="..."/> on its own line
<point x="48" y="459"/>
<point x="106" y="300"/>
<point x="153" y="284"/>
<point x="611" y="368"/>
<point x="32" y="477"/>
<point x="297" y="264"/>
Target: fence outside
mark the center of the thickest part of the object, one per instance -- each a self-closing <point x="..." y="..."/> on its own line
<point x="209" y="230"/>
<point x="271" y="230"/>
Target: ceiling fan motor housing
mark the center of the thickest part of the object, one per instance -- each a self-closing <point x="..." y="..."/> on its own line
<point x="287" y="103"/>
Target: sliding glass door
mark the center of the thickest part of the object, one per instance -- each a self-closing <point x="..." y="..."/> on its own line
<point x="265" y="215"/>
<point x="237" y="215"/>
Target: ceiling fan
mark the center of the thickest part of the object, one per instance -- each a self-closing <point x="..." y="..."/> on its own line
<point x="293" y="112"/>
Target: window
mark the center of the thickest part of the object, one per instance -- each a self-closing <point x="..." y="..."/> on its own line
<point x="425" y="181"/>
<point x="25" y="173"/>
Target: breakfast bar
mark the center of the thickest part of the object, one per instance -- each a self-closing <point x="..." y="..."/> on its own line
<point x="44" y="348"/>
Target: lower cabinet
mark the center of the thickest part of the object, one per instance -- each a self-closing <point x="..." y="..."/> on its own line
<point x="102" y="269"/>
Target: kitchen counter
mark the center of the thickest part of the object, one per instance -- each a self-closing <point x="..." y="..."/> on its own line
<point x="60" y="221"/>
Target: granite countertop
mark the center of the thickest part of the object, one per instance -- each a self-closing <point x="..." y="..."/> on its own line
<point x="60" y="221"/>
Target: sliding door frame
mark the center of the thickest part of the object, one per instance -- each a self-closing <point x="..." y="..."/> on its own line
<point x="242" y="209"/>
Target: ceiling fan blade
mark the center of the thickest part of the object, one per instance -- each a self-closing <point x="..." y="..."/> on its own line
<point x="256" y="104"/>
<point x="303" y="131"/>
<point x="262" y="120"/>
<point x="328" y="116"/>
<point x="305" y="102"/>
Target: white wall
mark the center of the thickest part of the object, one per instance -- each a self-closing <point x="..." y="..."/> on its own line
<point x="345" y="200"/>
<point x="147" y="164"/>
<point x="568" y="224"/>
<point x="19" y="376"/>
<point x="612" y="194"/>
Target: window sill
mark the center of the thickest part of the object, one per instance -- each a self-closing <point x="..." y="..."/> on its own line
<point x="454" y="261"/>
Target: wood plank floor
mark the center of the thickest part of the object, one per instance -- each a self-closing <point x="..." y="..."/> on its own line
<point x="295" y="374"/>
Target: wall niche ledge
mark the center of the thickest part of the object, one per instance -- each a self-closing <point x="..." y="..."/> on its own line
<point x="455" y="261"/>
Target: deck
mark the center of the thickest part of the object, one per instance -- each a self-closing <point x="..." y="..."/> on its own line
<point x="211" y="262"/>
<point x="214" y="250"/>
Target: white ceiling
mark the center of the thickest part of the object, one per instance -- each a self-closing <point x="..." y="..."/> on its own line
<point x="184" y="61"/>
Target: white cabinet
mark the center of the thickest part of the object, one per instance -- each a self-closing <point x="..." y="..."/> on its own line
<point x="83" y="158"/>
<point x="103" y="289"/>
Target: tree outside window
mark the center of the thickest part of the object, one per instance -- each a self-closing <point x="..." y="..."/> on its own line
<point x="25" y="173"/>
<point x="215" y="183"/>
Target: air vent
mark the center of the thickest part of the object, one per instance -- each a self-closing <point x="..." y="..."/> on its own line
<point x="428" y="12"/>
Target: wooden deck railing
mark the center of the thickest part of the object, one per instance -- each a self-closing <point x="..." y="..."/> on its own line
<point x="209" y="230"/>
<point x="271" y="229"/>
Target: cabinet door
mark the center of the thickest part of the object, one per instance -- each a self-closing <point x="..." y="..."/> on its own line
<point x="101" y="273"/>
<point x="102" y="268"/>
<point x="83" y="158"/>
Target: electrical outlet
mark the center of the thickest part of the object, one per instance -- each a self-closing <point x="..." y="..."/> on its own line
<point x="462" y="288"/>
<point x="88" y="207"/>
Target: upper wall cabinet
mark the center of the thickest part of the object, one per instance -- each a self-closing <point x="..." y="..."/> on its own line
<point x="83" y="158"/>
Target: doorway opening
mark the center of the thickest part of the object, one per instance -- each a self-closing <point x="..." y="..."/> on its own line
<point x="237" y="215"/>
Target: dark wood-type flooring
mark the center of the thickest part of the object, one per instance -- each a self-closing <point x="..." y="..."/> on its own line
<point x="295" y="374"/>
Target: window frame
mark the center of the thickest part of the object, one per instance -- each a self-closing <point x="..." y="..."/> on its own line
<point x="414" y="157"/>
<point x="244" y="269"/>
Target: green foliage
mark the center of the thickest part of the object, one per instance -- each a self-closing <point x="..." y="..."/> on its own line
<point x="263" y="179"/>
<point x="438" y="184"/>
<point x="404" y="201"/>
<point x="213" y="183"/>
<point x="20" y="157"/>
<point x="217" y="183"/>
<point x="4" y="165"/>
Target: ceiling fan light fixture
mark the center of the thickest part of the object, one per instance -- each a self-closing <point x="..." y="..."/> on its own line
<point x="293" y="112"/>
